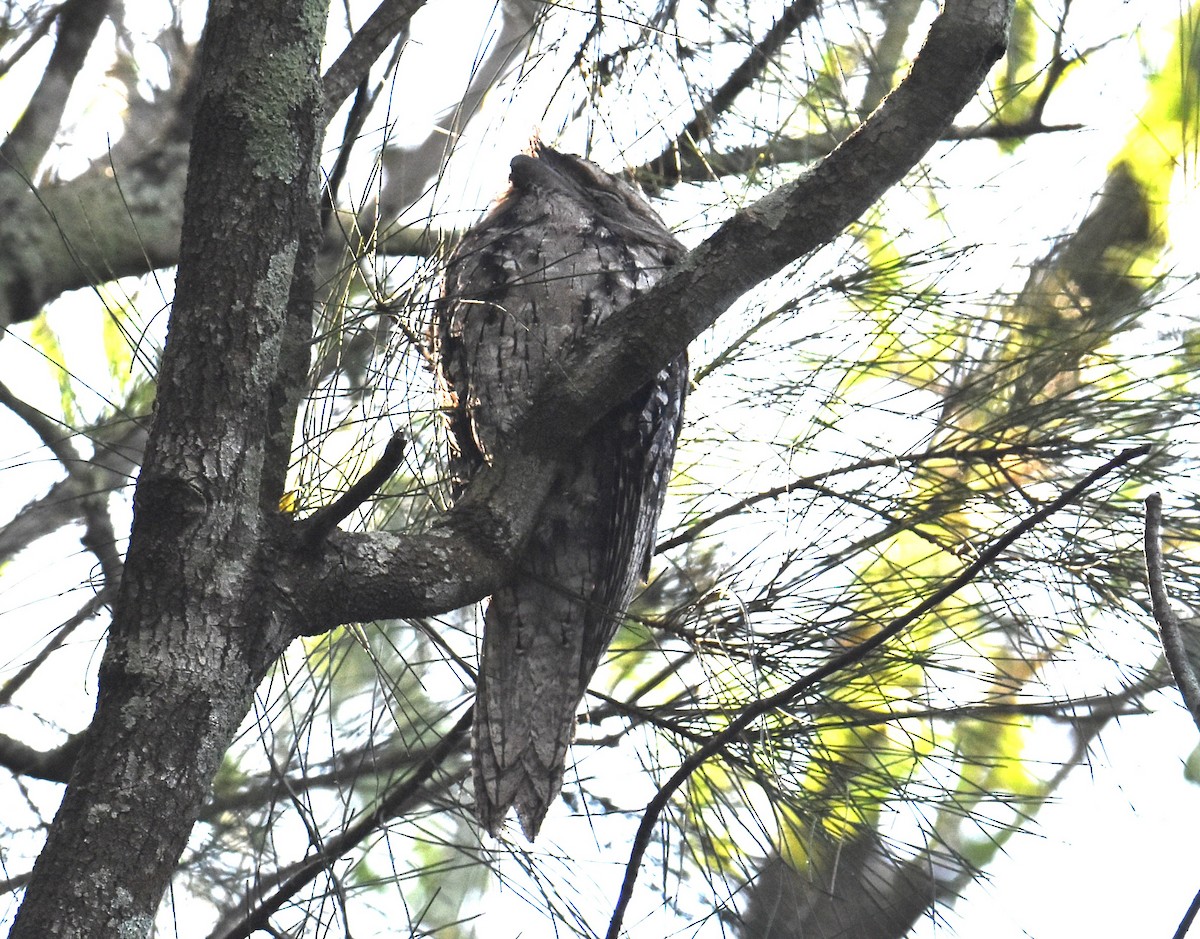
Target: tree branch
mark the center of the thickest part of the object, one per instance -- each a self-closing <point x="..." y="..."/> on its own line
<point x="32" y="38"/>
<point x="1168" y="623"/>
<point x="82" y="615"/>
<point x="668" y="167"/>
<point x="758" y="242"/>
<point x="54" y="765"/>
<point x="317" y="526"/>
<point x="780" y="150"/>
<point x="961" y="454"/>
<point x="384" y="575"/>
<point x="840" y="662"/>
<point x="355" y="577"/>
<point x="408" y="170"/>
<point x="26" y="145"/>
<point x="885" y="56"/>
<point x="378" y="757"/>
<point x="118" y="451"/>
<point x="87" y="485"/>
<point x="195" y="627"/>
<point x="380" y="30"/>
<point x="287" y="882"/>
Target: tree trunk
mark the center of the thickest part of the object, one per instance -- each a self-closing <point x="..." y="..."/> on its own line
<point x="196" y="623"/>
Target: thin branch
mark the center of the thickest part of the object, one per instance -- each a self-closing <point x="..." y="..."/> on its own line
<point x="26" y="145"/>
<point x="397" y="799"/>
<point x="112" y="466"/>
<point x="981" y="454"/>
<point x="386" y="757"/>
<point x="363" y="100"/>
<point x="1168" y="623"/>
<point x="782" y="150"/>
<point x="1124" y="703"/>
<point x="86" y="612"/>
<point x="839" y="663"/>
<point x="87" y="483"/>
<point x="666" y="168"/>
<point x="316" y="528"/>
<point x="54" y="435"/>
<point x="380" y="30"/>
<point x="1185" y="924"/>
<point x="408" y="172"/>
<point x="32" y="39"/>
<point x="1008" y="130"/>
<point x="418" y="240"/>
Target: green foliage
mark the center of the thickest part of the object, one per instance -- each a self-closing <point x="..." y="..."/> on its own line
<point x="43" y="339"/>
<point x="1018" y="89"/>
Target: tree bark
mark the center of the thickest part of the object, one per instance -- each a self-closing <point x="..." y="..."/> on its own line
<point x="195" y="625"/>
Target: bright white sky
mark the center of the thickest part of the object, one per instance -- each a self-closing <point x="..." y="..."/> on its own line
<point x="1110" y="858"/>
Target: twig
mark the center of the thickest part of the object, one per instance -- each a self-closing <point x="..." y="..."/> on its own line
<point x="380" y="30"/>
<point x="1168" y="624"/>
<point x="1186" y="923"/>
<point x="702" y="167"/>
<point x="396" y="799"/>
<point x="86" y="612"/>
<point x="363" y="99"/>
<point x="665" y="169"/>
<point x="315" y="528"/>
<point x="988" y="454"/>
<point x="850" y="657"/>
<point x="253" y="793"/>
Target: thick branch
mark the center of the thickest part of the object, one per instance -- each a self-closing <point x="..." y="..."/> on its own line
<point x="123" y="219"/>
<point x="796" y="219"/>
<point x="113" y="221"/>
<point x="380" y="30"/>
<point x="378" y="575"/>
<point x="54" y="765"/>
<point x="26" y="145"/>
<point x="459" y="560"/>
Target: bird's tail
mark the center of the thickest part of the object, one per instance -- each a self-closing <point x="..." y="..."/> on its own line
<point x="547" y="630"/>
<point x="528" y="693"/>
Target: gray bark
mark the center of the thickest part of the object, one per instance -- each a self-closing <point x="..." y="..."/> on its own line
<point x="195" y="626"/>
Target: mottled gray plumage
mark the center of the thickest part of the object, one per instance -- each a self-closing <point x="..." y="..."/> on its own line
<point x="565" y="247"/>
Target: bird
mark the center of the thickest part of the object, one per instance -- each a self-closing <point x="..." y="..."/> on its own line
<point x="563" y="249"/>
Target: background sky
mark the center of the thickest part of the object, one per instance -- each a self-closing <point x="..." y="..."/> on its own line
<point x="1110" y="857"/>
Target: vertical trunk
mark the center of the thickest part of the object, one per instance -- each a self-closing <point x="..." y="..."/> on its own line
<point x="196" y="624"/>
